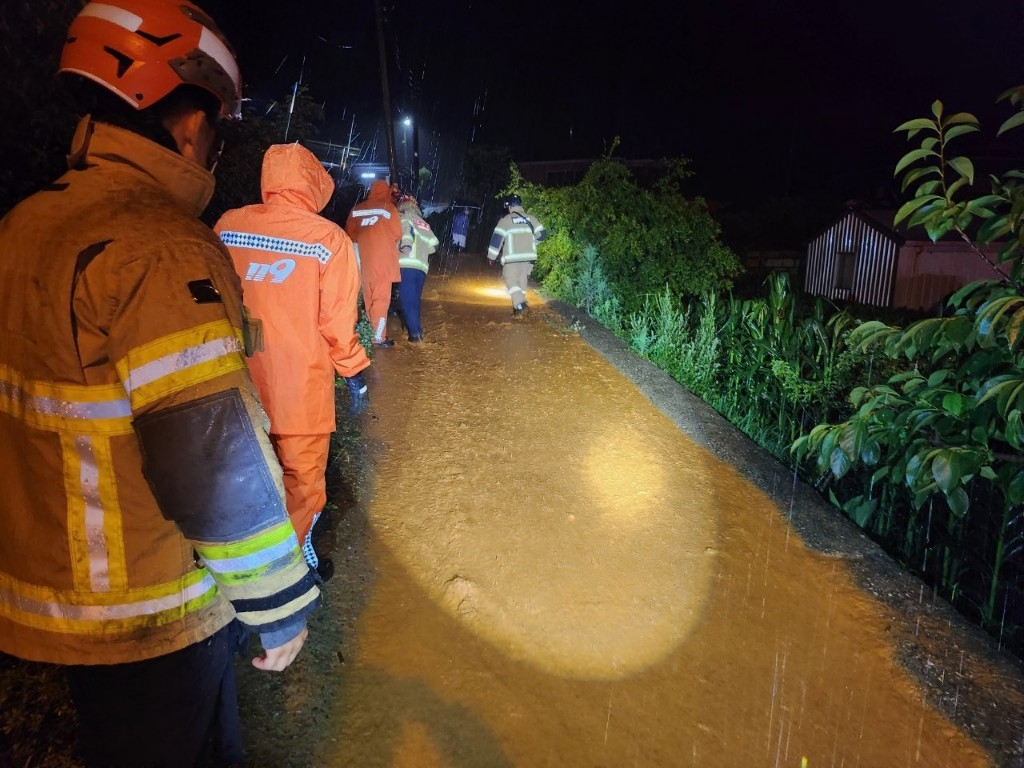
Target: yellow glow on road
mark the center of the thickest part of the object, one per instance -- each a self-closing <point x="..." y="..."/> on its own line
<point x="572" y="552"/>
<point x="624" y="480"/>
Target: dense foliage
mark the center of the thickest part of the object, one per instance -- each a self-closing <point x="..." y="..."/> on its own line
<point x="647" y="240"/>
<point x="938" y="445"/>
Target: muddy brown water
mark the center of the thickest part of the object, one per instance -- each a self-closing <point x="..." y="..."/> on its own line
<point x="539" y="568"/>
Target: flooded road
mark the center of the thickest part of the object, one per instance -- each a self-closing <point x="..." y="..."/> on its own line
<point x="544" y="570"/>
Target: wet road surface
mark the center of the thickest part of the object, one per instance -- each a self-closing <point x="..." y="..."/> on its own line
<point x="545" y="570"/>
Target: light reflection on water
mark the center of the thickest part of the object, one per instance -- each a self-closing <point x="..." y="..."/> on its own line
<point x="566" y="579"/>
<point x="583" y="545"/>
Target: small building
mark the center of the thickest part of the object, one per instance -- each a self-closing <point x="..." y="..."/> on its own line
<point x="862" y="258"/>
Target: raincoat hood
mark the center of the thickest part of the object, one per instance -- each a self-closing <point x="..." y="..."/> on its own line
<point x="293" y="175"/>
<point x="380" y="192"/>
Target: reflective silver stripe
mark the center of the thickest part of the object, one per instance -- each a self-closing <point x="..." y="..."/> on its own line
<point x="9" y="598"/>
<point x="95" y="536"/>
<point x="68" y="409"/>
<point x="372" y="212"/>
<point x="214" y="47"/>
<point x="114" y="15"/>
<point x="318" y="251"/>
<point x="180" y="361"/>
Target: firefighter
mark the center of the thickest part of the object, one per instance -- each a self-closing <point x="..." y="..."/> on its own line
<point x="301" y="284"/>
<point x="375" y="228"/>
<point x="514" y="246"/>
<point x="418" y="242"/>
<point x="142" y="508"/>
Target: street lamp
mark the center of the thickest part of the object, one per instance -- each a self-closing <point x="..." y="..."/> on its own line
<point x="415" y="165"/>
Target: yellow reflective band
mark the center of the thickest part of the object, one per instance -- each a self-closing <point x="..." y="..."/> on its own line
<point x="95" y="535"/>
<point x="181" y="360"/>
<point x="75" y="408"/>
<point x="282" y="612"/>
<point x="269" y="539"/>
<point x="100" y="613"/>
<point x="77" y="535"/>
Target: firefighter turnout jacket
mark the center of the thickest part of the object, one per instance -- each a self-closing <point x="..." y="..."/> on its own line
<point x="141" y="505"/>
<point x="301" y="283"/>
<point x="418" y="239"/>
<point x="515" y="237"/>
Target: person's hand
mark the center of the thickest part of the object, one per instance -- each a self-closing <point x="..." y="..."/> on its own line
<point x="278" y="659"/>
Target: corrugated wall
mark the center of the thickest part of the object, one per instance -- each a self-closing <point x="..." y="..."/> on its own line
<point x="875" y="263"/>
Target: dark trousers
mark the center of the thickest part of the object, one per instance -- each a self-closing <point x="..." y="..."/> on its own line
<point x="174" y="711"/>
<point x="409" y="292"/>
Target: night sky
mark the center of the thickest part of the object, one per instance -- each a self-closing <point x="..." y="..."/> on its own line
<point x="784" y="96"/>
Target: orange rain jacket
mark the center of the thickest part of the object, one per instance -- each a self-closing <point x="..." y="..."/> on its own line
<point x="375" y="226"/>
<point x="300" y="280"/>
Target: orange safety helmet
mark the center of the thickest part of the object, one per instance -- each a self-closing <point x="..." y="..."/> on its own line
<point x="144" y="49"/>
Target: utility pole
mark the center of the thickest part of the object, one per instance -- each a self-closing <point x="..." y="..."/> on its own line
<point x="388" y="124"/>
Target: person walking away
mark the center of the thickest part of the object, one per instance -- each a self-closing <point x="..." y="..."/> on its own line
<point x="375" y="229"/>
<point x="460" y="230"/>
<point x="301" y="284"/>
<point x="142" y="508"/>
<point x="514" y="246"/>
<point x="418" y="242"/>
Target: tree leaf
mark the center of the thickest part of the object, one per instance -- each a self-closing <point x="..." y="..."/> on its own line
<point x="953" y="403"/>
<point x="839" y="463"/>
<point x="913" y="157"/>
<point x="958" y="501"/>
<point x="944" y="472"/>
<point x="960" y="130"/>
<point x="915" y="125"/>
<point x="964" y="167"/>
<point x="1015" y="488"/>
<point x="912" y="205"/>
<point x="960" y="118"/>
<point x="1011" y="123"/>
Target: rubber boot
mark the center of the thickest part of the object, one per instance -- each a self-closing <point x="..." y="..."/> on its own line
<point x="360" y="398"/>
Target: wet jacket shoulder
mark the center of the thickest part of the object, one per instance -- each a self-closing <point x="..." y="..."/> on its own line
<point x="121" y="350"/>
<point x="515" y="237"/>
<point x="300" y="281"/>
<point x="418" y="239"/>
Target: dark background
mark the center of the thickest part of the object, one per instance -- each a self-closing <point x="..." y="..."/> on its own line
<point x="781" y="97"/>
<point x="785" y="107"/>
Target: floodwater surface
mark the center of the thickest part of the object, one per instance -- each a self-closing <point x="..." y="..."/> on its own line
<point x="561" y="577"/>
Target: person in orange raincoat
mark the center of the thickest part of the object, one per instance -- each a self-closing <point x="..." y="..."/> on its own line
<point x="375" y="227"/>
<point x="300" y="284"/>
